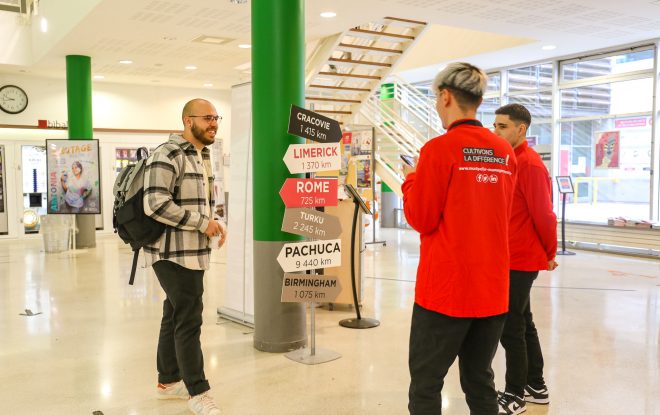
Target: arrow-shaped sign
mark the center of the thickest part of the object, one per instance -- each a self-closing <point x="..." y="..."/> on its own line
<point x="301" y="256"/>
<point x="305" y="158"/>
<point x="311" y="223"/>
<point x="316" y="127"/>
<point x="303" y="288"/>
<point x="309" y="192"/>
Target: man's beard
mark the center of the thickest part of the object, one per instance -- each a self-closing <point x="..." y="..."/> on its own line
<point x="198" y="133"/>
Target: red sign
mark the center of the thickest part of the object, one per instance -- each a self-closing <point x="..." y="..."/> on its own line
<point x="347" y="138"/>
<point x="630" y="122"/>
<point x="299" y="193"/>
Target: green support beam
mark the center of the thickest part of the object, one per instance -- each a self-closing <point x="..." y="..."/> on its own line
<point x="278" y="73"/>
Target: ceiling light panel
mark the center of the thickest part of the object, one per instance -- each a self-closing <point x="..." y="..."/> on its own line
<point x="212" y="40"/>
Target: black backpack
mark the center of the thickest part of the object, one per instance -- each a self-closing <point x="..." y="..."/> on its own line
<point x="130" y="222"/>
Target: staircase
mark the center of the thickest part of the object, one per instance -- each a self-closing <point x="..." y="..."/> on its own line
<point x="343" y="82"/>
<point x="345" y="69"/>
<point x="405" y="119"/>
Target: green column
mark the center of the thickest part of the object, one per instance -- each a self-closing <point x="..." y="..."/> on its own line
<point x="79" y="108"/>
<point x="278" y="73"/>
<point x="79" y="96"/>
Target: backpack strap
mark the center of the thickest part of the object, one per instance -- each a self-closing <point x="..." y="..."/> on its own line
<point x="131" y="279"/>
<point x="168" y="229"/>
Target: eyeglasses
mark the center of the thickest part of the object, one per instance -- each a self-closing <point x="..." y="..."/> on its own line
<point x="208" y="118"/>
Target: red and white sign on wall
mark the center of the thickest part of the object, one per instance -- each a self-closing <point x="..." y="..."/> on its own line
<point x="347" y="137"/>
<point x="297" y="193"/>
<point x="630" y="122"/>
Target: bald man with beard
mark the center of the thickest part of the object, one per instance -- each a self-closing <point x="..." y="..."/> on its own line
<point x="182" y="254"/>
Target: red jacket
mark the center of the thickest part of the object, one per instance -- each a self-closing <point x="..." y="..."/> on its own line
<point x="459" y="200"/>
<point x="533" y="226"/>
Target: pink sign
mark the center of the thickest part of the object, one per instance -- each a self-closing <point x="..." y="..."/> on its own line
<point x="630" y="122"/>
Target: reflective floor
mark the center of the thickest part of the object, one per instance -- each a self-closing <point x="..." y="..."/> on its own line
<point x="92" y="345"/>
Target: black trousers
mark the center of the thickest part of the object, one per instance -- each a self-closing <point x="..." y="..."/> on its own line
<point x="179" y="353"/>
<point x="435" y="342"/>
<point x="524" y="359"/>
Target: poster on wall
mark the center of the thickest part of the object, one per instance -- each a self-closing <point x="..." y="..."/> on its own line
<point x="73" y="176"/>
<point x="607" y="150"/>
<point x="363" y="172"/>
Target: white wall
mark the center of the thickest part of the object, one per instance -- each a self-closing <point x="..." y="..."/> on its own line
<point x="16" y="46"/>
<point x="114" y="106"/>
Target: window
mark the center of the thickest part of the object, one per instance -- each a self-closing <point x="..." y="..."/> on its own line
<point x="486" y="111"/>
<point x="529" y="78"/>
<point x="608" y="65"/>
<point x="623" y="97"/>
<point x="538" y="104"/>
<point x="606" y="129"/>
<point x="494" y="82"/>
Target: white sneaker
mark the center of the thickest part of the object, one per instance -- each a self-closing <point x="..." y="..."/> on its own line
<point x="172" y="391"/>
<point x="203" y="404"/>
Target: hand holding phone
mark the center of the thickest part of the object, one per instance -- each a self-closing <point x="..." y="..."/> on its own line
<point x="409" y="160"/>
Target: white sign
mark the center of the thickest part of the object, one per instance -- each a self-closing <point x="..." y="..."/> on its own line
<point x="307" y="158"/>
<point x="301" y="256"/>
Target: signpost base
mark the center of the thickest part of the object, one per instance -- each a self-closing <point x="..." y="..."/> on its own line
<point x="565" y="253"/>
<point x="359" y="323"/>
<point x="320" y="356"/>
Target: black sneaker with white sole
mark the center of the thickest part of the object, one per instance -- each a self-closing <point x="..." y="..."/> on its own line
<point x="539" y="396"/>
<point x="510" y="404"/>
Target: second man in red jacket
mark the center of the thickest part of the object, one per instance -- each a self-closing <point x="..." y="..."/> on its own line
<point x="532" y="246"/>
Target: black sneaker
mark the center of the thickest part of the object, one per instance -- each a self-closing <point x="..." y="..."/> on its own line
<point x="510" y="404"/>
<point x="539" y="396"/>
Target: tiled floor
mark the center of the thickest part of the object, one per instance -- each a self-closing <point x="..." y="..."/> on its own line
<point x="92" y="348"/>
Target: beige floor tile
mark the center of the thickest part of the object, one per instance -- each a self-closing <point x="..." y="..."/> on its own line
<point x="92" y="348"/>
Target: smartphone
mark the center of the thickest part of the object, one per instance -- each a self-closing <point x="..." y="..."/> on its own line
<point x="409" y="160"/>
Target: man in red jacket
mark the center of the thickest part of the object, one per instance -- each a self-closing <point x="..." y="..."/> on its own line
<point x="459" y="199"/>
<point x="532" y="246"/>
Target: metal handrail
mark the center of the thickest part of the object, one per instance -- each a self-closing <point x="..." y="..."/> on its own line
<point x="420" y="105"/>
<point x="392" y="125"/>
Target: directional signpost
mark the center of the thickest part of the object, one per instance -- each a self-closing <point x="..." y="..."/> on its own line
<point x="305" y="158"/>
<point x="325" y="250"/>
<point x="301" y="256"/>
<point x="312" y="126"/>
<point x="298" y="193"/>
<point x="304" y="288"/>
<point x="311" y="224"/>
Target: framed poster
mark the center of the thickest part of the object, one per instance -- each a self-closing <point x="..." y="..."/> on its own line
<point x="564" y="184"/>
<point x="74" y="185"/>
<point x="607" y="149"/>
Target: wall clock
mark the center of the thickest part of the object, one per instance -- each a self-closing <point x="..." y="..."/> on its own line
<point x="13" y="100"/>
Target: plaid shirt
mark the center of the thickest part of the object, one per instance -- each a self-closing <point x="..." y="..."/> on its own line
<point x="186" y="210"/>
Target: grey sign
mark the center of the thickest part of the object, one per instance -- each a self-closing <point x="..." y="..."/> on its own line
<point x="311" y="223"/>
<point x="304" y="288"/>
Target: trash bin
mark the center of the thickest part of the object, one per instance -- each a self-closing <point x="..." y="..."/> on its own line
<point x="55" y="230"/>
